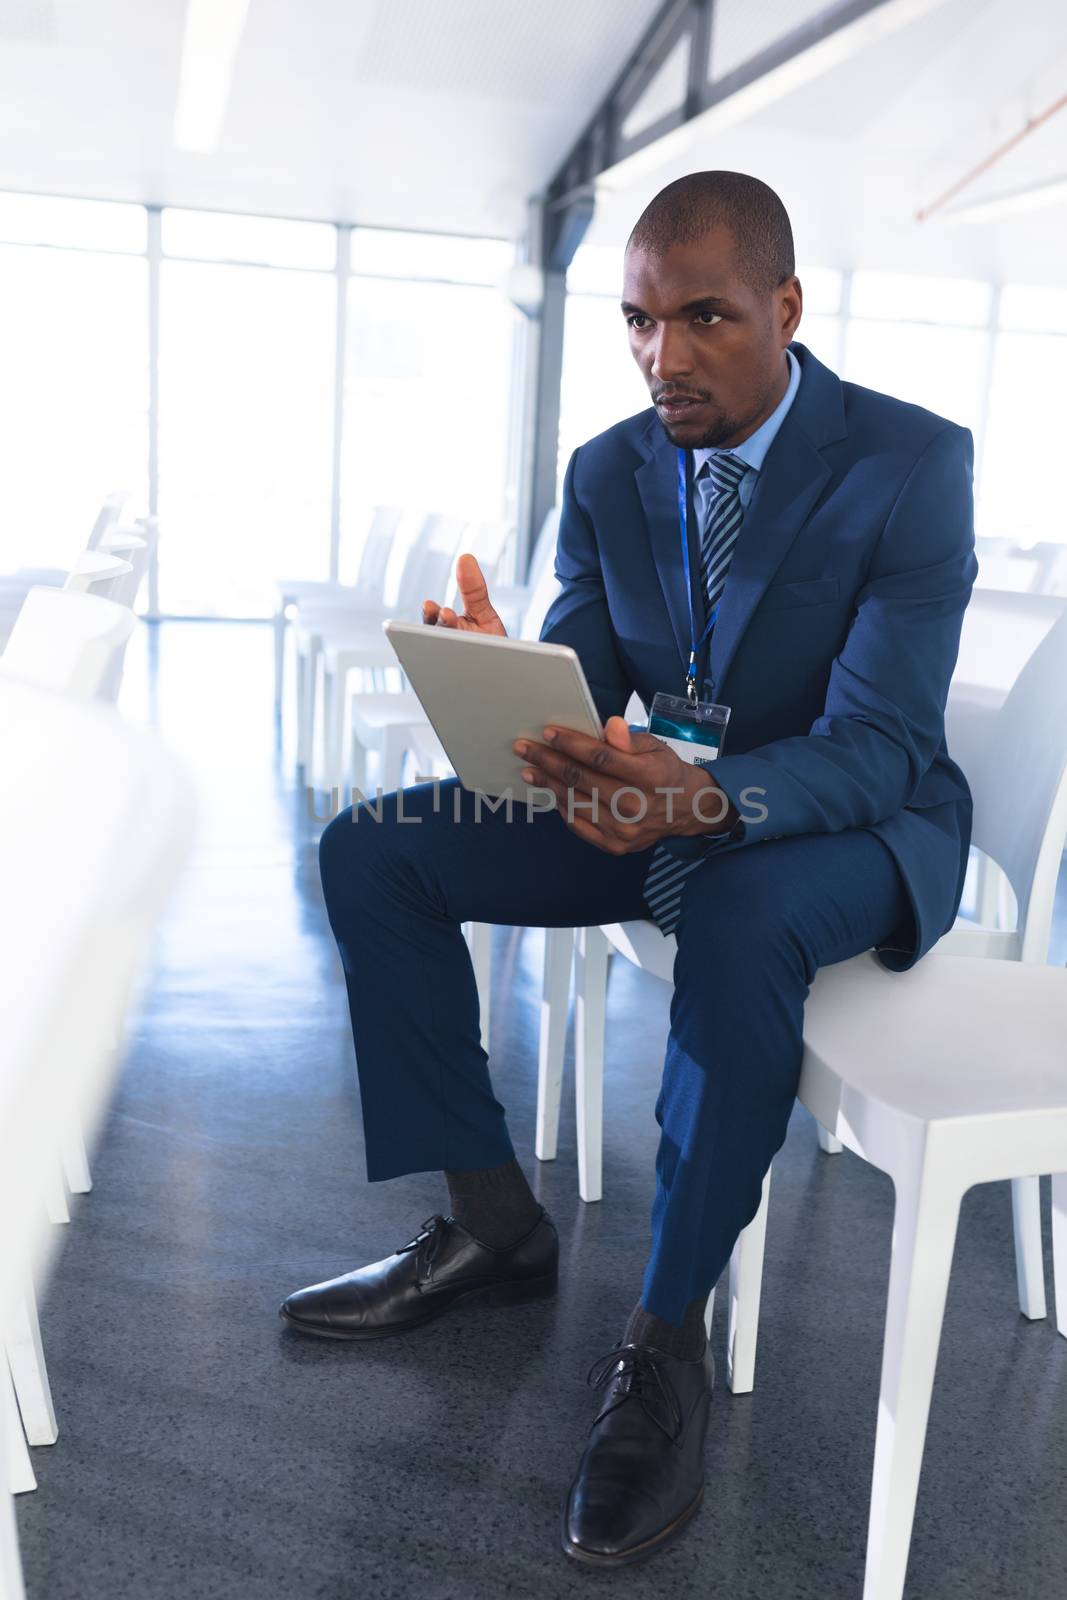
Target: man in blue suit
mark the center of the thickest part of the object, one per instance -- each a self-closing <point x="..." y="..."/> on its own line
<point x="818" y="538"/>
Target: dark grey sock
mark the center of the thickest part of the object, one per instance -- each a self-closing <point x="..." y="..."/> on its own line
<point x="686" y="1339"/>
<point x="496" y="1204"/>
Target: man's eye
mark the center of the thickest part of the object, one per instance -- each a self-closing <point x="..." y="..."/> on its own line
<point x="709" y="318"/>
<point x="636" y="320"/>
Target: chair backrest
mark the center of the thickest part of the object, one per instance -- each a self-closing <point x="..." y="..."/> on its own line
<point x="1019" y="784"/>
<point x="544" y="585"/>
<point x="125" y="588"/>
<point x="374" y="556"/>
<point x="544" y="550"/>
<point x="429" y="562"/>
<point x="95" y="821"/>
<point x="1009" y="572"/>
<point x="1001" y="631"/>
<point x="107" y="517"/>
<point x="488" y="542"/>
<point x="68" y="642"/>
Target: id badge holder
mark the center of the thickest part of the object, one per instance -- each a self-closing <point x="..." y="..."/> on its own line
<point x="693" y="729"/>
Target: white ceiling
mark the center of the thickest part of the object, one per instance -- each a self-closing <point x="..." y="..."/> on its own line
<point x="857" y="152"/>
<point x="449" y="113"/>
<point x="430" y="113"/>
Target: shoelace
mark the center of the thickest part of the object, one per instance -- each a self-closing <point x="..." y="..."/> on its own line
<point x="640" y="1378"/>
<point x="431" y="1233"/>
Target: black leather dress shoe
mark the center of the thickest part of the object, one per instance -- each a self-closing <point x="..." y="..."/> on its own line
<point x="441" y="1267"/>
<point x="642" y="1475"/>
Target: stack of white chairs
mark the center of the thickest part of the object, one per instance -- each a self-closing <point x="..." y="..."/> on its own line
<point x="305" y="597"/>
<point x="952" y="1074"/>
<point x="333" y="639"/>
<point x="14" y="586"/>
<point x="82" y="886"/>
<point x="393" y="725"/>
<point x="68" y="645"/>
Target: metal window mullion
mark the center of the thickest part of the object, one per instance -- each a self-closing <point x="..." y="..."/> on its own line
<point x="154" y="259"/>
<point x="844" y="317"/>
<point x="341" y="274"/>
<point x="982" y="430"/>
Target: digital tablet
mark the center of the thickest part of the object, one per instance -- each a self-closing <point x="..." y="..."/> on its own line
<point x="481" y="693"/>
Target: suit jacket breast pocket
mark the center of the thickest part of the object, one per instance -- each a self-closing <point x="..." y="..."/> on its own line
<point x="808" y="592"/>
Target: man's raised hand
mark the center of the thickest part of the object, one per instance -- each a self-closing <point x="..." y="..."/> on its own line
<point x="478" y="615"/>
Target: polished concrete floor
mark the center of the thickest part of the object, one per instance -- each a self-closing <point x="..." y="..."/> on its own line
<point x="206" y="1453"/>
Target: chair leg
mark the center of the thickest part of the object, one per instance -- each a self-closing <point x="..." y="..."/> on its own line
<point x="19" y="1475"/>
<point x="11" y="1586"/>
<point x="75" y="1161"/>
<point x="394" y="748"/>
<point x="709" y="1313"/>
<point x="746" y="1284"/>
<point x="308" y="685"/>
<point x="924" y="1237"/>
<point x="1059" y="1248"/>
<point x="55" y="1194"/>
<point x="279" y="655"/>
<point x="480" y="943"/>
<point x="338" y="707"/>
<point x="22" y="1340"/>
<point x="827" y="1141"/>
<point x="590" y="994"/>
<point x="555" y="998"/>
<point x="1029" y="1259"/>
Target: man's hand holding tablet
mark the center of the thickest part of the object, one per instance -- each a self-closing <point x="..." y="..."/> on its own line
<point x="643" y="791"/>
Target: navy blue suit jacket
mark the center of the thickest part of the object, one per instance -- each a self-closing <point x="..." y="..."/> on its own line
<point x="838" y="629"/>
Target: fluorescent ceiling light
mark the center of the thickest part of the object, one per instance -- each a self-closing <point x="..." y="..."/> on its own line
<point x="213" y="30"/>
<point x="1050" y="192"/>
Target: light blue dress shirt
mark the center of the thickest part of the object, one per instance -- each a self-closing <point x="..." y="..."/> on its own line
<point x="752" y="450"/>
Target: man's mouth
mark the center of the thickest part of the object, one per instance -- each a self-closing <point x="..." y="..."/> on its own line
<point x="679" y="405"/>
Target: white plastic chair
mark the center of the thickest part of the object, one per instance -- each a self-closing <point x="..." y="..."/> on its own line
<point x="108" y="863"/>
<point x="107" y="518"/>
<point x="68" y="642"/>
<point x="335" y="621"/>
<point x="368" y="589"/>
<point x="1001" y="631"/>
<point x="73" y="644"/>
<point x="1022" y="754"/>
<point x="93" y="572"/>
<point x="394" y="725"/>
<point x="951" y="1074"/>
<point x="1009" y="572"/>
<point x="948" y="1075"/>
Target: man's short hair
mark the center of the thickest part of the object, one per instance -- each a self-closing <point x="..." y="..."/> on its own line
<point x="690" y="207"/>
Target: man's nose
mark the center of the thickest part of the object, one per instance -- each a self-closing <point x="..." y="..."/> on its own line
<point x="671" y="361"/>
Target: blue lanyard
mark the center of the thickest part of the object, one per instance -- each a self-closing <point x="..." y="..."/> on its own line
<point x="695" y="644"/>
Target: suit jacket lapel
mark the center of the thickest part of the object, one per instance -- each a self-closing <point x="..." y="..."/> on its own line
<point x="657" y="485"/>
<point x="790" y="481"/>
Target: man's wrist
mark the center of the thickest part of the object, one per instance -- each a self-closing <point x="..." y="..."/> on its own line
<point x="710" y="811"/>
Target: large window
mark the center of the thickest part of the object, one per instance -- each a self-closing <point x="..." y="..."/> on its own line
<point x="431" y="347"/>
<point x="925" y="340"/>
<point x="246" y="414"/>
<point x="264" y="460"/>
<point x="73" y="371"/>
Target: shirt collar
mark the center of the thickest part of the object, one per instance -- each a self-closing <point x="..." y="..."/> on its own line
<point x="753" y="449"/>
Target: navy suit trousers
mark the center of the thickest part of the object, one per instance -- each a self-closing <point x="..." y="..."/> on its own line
<point x="757" y="921"/>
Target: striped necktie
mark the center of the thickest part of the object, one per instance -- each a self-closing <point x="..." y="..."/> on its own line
<point x="667" y="874"/>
